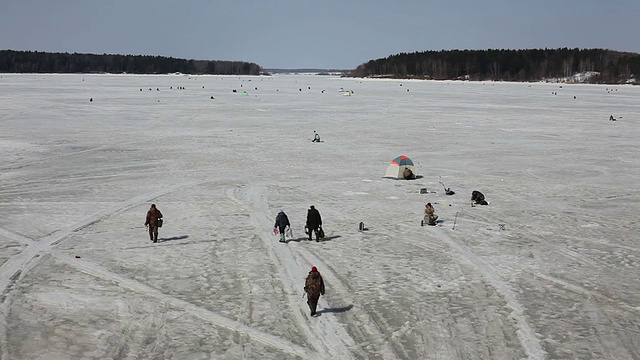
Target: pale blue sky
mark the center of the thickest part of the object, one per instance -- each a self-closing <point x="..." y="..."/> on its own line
<point x="313" y="34"/>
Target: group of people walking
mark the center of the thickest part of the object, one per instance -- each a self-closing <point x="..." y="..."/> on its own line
<point x="313" y="285"/>
<point x="312" y="226"/>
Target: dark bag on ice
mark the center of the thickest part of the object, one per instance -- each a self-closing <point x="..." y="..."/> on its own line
<point x="159" y="222"/>
<point x="321" y="233"/>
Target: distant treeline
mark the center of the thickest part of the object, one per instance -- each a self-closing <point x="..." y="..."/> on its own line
<point x="507" y="65"/>
<point x="45" y="62"/>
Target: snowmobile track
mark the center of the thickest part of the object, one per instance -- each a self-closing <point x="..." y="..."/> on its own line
<point x="368" y="323"/>
<point x="45" y="244"/>
<point x="326" y="335"/>
<point x="526" y="334"/>
<point x="17" y="237"/>
<point x="204" y="314"/>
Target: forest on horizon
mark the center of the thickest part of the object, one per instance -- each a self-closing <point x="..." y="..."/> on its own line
<point x="47" y="62"/>
<point x="604" y="66"/>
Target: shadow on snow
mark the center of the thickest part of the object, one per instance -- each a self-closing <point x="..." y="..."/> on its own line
<point x="326" y="238"/>
<point x="173" y="238"/>
<point x="335" y="310"/>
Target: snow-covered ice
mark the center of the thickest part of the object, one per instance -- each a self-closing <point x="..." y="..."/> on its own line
<point x="550" y="269"/>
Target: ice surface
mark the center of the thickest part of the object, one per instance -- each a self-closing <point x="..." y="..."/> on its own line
<point x="550" y="269"/>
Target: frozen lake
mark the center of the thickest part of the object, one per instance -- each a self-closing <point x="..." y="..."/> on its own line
<point x="549" y="270"/>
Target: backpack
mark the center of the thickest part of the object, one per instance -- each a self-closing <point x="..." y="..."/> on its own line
<point x="311" y="285"/>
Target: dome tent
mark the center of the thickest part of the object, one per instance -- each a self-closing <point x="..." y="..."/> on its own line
<point x="397" y="166"/>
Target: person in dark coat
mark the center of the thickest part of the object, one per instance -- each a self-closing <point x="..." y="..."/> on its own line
<point x="282" y="221"/>
<point x="314" y="287"/>
<point x="478" y="198"/>
<point x="152" y="222"/>
<point x="407" y="174"/>
<point x="314" y="222"/>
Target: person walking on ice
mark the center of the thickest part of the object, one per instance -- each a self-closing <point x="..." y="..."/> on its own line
<point x="154" y="218"/>
<point x="314" y="287"/>
<point x="314" y="222"/>
<point x="282" y="221"/>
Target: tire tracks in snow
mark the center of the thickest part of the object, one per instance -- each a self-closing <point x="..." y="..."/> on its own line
<point x="27" y="163"/>
<point x="15" y="236"/>
<point x="95" y="270"/>
<point x="18" y="265"/>
<point x="584" y="291"/>
<point x="525" y="332"/>
<point x="578" y="257"/>
<point x="369" y="325"/>
<point x="45" y="244"/>
<point x="366" y="321"/>
<point x="604" y="306"/>
<point x="328" y="337"/>
<point x="598" y="300"/>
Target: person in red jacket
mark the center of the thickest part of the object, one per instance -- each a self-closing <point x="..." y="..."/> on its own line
<point x="314" y="287"/>
<point x="152" y="222"/>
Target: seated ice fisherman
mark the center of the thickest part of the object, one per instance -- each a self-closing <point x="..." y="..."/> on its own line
<point x="407" y="174"/>
<point x="316" y="137"/>
<point x="430" y="214"/>
<point x="478" y="198"/>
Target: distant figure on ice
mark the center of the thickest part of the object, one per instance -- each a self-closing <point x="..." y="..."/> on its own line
<point x="153" y="221"/>
<point x="478" y="198"/>
<point x="430" y="216"/>
<point x="316" y="137"/>
<point x="611" y="118"/>
<point x="314" y="287"/>
<point x="314" y="222"/>
<point x="282" y="221"/>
